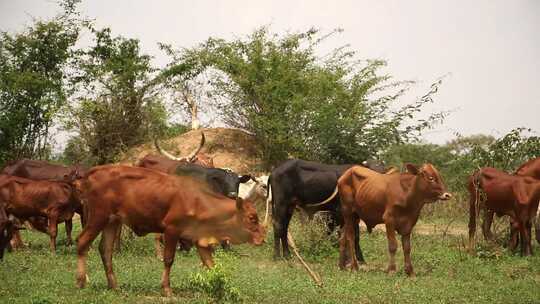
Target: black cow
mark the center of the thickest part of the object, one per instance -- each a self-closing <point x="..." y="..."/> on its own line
<point x="305" y="184"/>
<point x="221" y="181"/>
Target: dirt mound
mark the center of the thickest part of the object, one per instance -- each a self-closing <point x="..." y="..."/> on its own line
<point x="230" y="148"/>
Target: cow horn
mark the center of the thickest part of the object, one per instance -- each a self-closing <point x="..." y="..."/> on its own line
<point x="191" y="156"/>
<point x="188" y="158"/>
<point x="165" y="153"/>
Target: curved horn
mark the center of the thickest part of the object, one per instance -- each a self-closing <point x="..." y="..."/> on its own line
<point x="191" y="156"/>
<point x="167" y="154"/>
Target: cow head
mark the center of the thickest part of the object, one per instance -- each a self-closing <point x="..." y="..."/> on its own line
<point x="226" y="182"/>
<point x="7" y="228"/>
<point x="251" y="231"/>
<point x="429" y="182"/>
<point x="254" y="189"/>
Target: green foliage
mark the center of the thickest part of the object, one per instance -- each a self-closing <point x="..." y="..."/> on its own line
<point x="117" y="105"/>
<point x="33" y="71"/>
<point x="459" y="158"/>
<point x="312" y="237"/>
<point x="174" y="130"/>
<point x="334" y="108"/>
<point x="215" y="282"/>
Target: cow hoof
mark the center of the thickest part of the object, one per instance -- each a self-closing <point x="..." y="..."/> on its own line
<point x="411" y="274"/>
<point x="81" y="282"/>
<point x="391" y="270"/>
<point x="167" y="292"/>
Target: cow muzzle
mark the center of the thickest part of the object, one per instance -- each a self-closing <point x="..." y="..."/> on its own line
<point x="445" y="196"/>
<point x="232" y="195"/>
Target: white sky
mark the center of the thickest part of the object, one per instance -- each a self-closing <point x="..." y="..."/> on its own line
<point x="489" y="47"/>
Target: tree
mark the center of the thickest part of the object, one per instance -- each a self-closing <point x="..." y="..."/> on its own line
<point x="333" y="108"/>
<point x="34" y="66"/>
<point x="117" y="105"/>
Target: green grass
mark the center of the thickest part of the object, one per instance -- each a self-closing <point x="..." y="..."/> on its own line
<point x="445" y="273"/>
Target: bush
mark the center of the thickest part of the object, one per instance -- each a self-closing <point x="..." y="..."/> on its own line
<point x="215" y="282"/>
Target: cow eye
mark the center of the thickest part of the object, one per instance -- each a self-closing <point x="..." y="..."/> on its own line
<point x="431" y="178"/>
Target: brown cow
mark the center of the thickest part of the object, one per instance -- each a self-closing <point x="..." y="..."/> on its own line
<point x="530" y="168"/>
<point x="149" y="201"/>
<point x="505" y="194"/>
<point x="393" y="199"/>
<point x="41" y="170"/>
<point x="25" y="199"/>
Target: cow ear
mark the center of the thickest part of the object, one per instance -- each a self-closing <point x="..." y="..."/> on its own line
<point x="239" y="203"/>
<point x="244" y="178"/>
<point x="412" y="169"/>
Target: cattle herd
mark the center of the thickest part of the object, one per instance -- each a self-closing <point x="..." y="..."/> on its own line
<point x="187" y="202"/>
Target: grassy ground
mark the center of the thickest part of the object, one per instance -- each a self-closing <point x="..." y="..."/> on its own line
<point x="445" y="273"/>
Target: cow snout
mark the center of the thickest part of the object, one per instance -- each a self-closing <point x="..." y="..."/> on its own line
<point x="233" y="195"/>
<point x="445" y="196"/>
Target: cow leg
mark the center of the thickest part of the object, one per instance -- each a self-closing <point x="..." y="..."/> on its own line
<point x="118" y="239"/>
<point x="205" y="253"/>
<point x="85" y="239"/>
<point x="53" y="230"/>
<point x="16" y="240"/>
<point x="106" y="248"/>
<point x="537" y="225"/>
<point x="392" y="248"/>
<point x="281" y="217"/>
<point x="170" y="240"/>
<point x="69" y="228"/>
<point x="486" y="225"/>
<point x="514" y="235"/>
<point x="524" y="238"/>
<point x="406" y="243"/>
<point x="357" y="249"/>
<point x="472" y="221"/>
<point x="158" y="240"/>
<point x="529" y="236"/>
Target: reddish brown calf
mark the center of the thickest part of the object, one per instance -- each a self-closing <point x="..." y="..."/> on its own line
<point x="394" y="199"/>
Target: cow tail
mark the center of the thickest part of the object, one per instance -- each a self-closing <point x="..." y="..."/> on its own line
<point x="269" y="197"/>
<point x="336" y="190"/>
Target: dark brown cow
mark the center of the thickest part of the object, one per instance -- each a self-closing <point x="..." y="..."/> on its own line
<point x="41" y="170"/>
<point x="149" y="201"/>
<point x="25" y="198"/>
<point x="394" y="199"/>
<point x="530" y="168"/>
<point x="505" y="194"/>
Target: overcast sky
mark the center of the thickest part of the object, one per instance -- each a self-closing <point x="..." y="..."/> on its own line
<point x="489" y="48"/>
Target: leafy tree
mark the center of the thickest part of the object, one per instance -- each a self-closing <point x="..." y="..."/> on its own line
<point x="333" y="108"/>
<point x="463" y="145"/>
<point x="33" y="71"/>
<point x="117" y="105"/>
